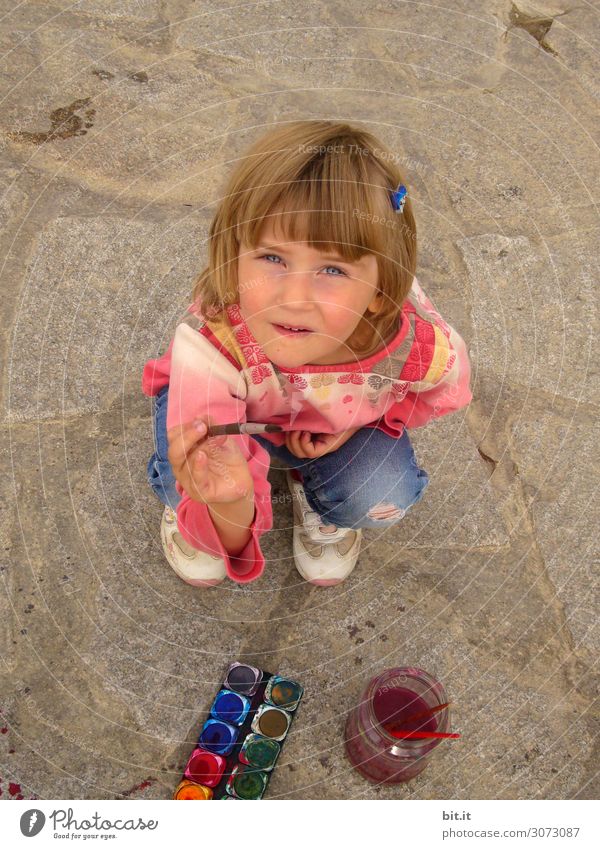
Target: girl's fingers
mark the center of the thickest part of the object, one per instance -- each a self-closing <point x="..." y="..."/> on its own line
<point x="310" y="438"/>
<point x="310" y="448"/>
<point x="312" y="451"/>
<point x="298" y="446"/>
<point x="182" y="438"/>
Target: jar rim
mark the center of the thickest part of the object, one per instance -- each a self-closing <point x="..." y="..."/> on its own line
<point x="443" y="716"/>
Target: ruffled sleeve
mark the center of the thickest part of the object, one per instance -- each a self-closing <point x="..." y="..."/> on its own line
<point x="206" y="383"/>
<point x="435" y="378"/>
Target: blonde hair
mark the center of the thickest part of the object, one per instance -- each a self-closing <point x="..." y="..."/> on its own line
<point x="327" y="184"/>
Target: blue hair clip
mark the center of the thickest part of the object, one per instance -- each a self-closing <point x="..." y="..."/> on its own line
<point x="399" y="198"/>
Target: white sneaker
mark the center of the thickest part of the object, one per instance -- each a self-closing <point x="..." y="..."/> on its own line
<point x="321" y="558"/>
<point x="193" y="566"/>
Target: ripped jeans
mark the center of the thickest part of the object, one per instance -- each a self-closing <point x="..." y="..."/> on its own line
<point x="369" y="482"/>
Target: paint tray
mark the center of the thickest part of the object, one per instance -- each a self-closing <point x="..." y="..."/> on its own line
<point x="240" y="741"/>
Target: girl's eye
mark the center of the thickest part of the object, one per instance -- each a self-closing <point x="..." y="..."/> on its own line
<point x="341" y="273"/>
<point x="266" y="256"/>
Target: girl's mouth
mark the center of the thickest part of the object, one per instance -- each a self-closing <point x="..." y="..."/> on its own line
<point x="288" y="331"/>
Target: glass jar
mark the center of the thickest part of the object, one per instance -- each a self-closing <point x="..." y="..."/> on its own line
<point x="393" y="697"/>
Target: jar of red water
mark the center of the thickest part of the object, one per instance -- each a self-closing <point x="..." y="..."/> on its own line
<point x="390" y="699"/>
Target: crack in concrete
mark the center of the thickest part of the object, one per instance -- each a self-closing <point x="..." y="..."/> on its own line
<point x="537" y="27"/>
<point x="488" y="459"/>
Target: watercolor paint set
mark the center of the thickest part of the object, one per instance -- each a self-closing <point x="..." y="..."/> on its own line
<point x="240" y="741"/>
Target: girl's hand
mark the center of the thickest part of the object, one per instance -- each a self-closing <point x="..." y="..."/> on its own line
<point x="210" y="469"/>
<point x="306" y="445"/>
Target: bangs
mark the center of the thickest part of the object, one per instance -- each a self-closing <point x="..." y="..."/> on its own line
<point x="335" y="206"/>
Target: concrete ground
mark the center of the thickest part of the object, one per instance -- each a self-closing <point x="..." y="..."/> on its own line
<point x="119" y="123"/>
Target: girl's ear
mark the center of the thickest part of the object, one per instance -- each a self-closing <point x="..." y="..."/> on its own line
<point x="375" y="304"/>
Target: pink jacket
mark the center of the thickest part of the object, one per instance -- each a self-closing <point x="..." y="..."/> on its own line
<point x="222" y="372"/>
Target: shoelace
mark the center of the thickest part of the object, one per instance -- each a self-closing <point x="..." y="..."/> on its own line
<point x="312" y="522"/>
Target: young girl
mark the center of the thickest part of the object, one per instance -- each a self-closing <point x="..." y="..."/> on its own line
<point x="308" y="316"/>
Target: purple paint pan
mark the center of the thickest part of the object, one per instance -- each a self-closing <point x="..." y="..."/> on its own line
<point x="242" y="678"/>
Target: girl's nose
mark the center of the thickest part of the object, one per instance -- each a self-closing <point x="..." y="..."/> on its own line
<point x="296" y="288"/>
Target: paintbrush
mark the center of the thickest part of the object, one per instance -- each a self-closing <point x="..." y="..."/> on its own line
<point x="397" y="731"/>
<point x="420" y="735"/>
<point x="247" y="427"/>
<point x="399" y="724"/>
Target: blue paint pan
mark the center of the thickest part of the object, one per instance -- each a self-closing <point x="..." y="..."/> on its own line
<point x="230" y="707"/>
<point x="217" y="736"/>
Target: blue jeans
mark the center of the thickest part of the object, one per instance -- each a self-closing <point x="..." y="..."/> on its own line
<point x="369" y="482"/>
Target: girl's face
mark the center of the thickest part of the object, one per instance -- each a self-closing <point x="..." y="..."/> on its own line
<point x="296" y="285"/>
